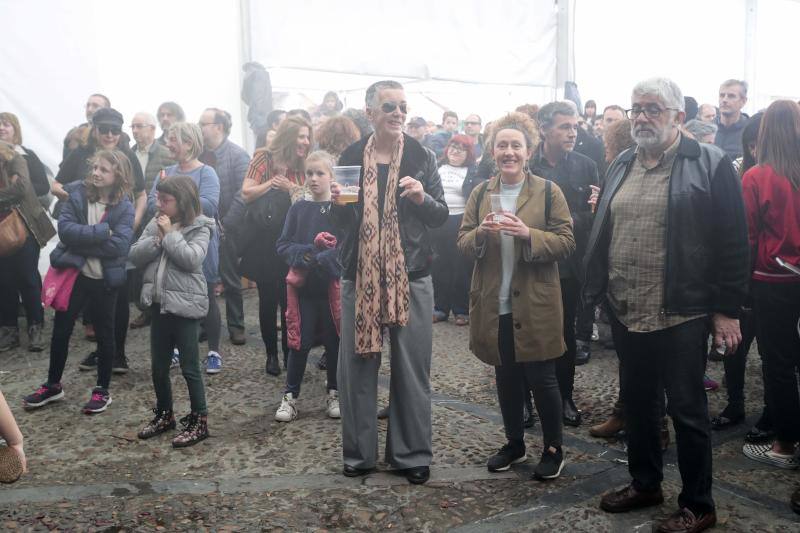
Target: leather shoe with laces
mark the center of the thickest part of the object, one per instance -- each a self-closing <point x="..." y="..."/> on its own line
<point x="685" y="521"/>
<point x="418" y="474"/>
<point x="628" y="499"/>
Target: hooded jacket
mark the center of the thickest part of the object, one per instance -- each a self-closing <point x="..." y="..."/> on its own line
<point x="183" y="285"/>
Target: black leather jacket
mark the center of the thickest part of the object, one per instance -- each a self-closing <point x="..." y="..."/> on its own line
<point x="707" y="264"/>
<point x="414" y="220"/>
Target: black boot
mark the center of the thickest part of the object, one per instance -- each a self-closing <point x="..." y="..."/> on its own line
<point x="273" y="368"/>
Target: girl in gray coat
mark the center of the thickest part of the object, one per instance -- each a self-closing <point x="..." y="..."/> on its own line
<point x="171" y="252"/>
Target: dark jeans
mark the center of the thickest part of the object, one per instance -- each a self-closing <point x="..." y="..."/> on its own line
<point x="584" y="322"/>
<point x="672" y="359"/>
<point x="511" y="377"/>
<point x="20" y="279"/>
<point x="565" y="365"/>
<point x="451" y="270"/>
<point x="316" y="322"/>
<point x="270" y="295"/>
<point x="122" y="317"/>
<point x="229" y="272"/>
<point x="777" y="306"/>
<point x="212" y="324"/>
<point x="736" y="364"/>
<point x="99" y="303"/>
<point x="168" y="331"/>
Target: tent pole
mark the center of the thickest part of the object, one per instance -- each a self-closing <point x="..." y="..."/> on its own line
<point x="563" y="46"/>
<point x="750" y="69"/>
<point x="245" y="56"/>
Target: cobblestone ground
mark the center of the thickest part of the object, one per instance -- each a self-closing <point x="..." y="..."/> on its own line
<point x="92" y="474"/>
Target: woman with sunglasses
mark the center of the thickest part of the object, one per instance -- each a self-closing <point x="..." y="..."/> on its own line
<point x="451" y="270"/>
<point x="105" y="134"/>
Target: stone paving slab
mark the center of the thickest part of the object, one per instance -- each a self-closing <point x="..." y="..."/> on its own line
<point x="91" y="473"/>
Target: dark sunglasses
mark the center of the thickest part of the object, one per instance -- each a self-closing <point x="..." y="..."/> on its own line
<point x="389" y="107"/>
<point x="105" y="130"/>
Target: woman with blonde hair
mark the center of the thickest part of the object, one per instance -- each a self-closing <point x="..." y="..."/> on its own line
<point x="274" y="181"/>
<point x="516" y="316"/>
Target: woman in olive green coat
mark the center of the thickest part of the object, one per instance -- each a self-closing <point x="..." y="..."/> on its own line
<point x="516" y="319"/>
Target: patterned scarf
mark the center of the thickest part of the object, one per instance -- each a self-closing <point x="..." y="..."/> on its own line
<point x="381" y="280"/>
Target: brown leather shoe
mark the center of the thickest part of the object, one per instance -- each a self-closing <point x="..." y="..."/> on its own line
<point x="609" y="428"/>
<point x="685" y="521"/>
<point x="628" y="499"/>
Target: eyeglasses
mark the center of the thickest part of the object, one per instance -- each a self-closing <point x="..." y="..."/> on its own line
<point x="650" y="111"/>
<point x="457" y="148"/>
<point x="137" y="126"/>
<point x="389" y="107"/>
<point x="471" y="123"/>
<point x="201" y="124"/>
<point x="105" y="130"/>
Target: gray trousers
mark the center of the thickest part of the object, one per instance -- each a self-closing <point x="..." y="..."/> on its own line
<point x="229" y="273"/>
<point x="408" y="439"/>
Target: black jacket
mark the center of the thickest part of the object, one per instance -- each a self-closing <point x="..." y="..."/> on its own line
<point x="414" y="220"/>
<point x="707" y="266"/>
<point x="573" y="175"/>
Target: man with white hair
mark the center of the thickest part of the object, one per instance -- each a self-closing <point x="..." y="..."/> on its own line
<point x="668" y="252"/>
<point x="152" y="156"/>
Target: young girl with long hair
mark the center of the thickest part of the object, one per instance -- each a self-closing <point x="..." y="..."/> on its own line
<point x="95" y="228"/>
<point x="171" y="251"/>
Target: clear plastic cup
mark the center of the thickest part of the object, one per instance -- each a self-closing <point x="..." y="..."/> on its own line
<point x="348" y="180"/>
<point x="503" y="203"/>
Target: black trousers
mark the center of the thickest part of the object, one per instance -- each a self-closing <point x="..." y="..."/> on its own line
<point x="736" y="364"/>
<point x="271" y="294"/>
<point x="20" y="280"/>
<point x="777" y="306"/>
<point x="511" y="378"/>
<point x="100" y="303"/>
<point x="451" y="270"/>
<point x="316" y="321"/>
<point x="565" y="365"/>
<point x="671" y="360"/>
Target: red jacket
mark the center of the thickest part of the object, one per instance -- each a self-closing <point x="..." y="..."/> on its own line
<point x="773" y="219"/>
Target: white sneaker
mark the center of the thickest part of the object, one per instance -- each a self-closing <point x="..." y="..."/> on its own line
<point x="333" y="404"/>
<point x="287" y="411"/>
<point x="176" y="359"/>
<point x="595" y="333"/>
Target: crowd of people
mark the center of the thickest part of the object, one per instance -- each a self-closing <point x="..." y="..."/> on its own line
<point x="673" y="222"/>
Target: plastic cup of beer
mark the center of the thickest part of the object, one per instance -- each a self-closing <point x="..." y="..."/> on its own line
<point x="348" y="180"/>
<point x="503" y="203"/>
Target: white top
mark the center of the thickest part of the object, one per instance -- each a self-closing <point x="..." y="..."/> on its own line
<point x="452" y="181"/>
<point x="507" y="247"/>
<point x="93" y="268"/>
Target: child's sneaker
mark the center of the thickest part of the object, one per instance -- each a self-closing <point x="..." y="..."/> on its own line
<point x="213" y="363"/>
<point x="195" y="429"/>
<point x="163" y="421"/>
<point x="43" y="395"/>
<point x="99" y="401"/>
<point x="176" y="358"/>
<point x="550" y="465"/>
<point x="287" y="411"/>
<point x="333" y="404"/>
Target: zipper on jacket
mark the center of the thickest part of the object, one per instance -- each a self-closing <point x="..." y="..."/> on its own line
<point x="667" y="237"/>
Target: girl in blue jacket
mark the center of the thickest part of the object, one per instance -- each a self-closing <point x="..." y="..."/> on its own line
<point x="95" y="229"/>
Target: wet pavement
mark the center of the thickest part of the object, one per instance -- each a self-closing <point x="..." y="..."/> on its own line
<point x="93" y="474"/>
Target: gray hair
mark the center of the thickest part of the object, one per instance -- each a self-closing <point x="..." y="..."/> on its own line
<point x="371" y="98"/>
<point x="664" y="88"/>
<point x="546" y="115"/>
<point x="740" y="83"/>
<point x="189" y="133"/>
<point x="149" y="119"/>
<point x="700" y="129"/>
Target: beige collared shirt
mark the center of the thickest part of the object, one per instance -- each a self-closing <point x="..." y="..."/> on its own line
<point x="143" y="155"/>
<point x="637" y="252"/>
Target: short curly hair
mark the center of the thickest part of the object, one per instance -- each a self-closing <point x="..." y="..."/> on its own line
<point x="521" y="122"/>
<point x="336" y="134"/>
<point x="617" y="138"/>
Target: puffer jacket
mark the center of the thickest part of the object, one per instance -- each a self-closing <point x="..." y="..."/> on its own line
<point x="183" y="287"/>
<point x="414" y="220"/>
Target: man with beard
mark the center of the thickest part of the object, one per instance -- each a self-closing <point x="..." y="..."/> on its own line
<point x="668" y="252"/>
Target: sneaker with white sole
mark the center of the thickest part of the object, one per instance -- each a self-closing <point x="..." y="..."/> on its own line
<point x="550" y="465"/>
<point x="508" y="455"/>
<point x="763" y="454"/>
<point x="332" y="404"/>
<point x="213" y="363"/>
<point x="43" y="395"/>
<point x="99" y="401"/>
<point x="288" y="410"/>
<point x="176" y="359"/>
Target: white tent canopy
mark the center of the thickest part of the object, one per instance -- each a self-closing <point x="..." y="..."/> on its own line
<point x="470" y="56"/>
